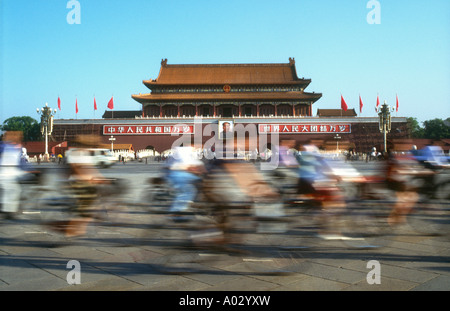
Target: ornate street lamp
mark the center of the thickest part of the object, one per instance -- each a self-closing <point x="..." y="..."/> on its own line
<point x="46" y="123"/>
<point x="112" y="139"/>
<point x="385" y="122"/>
<point x="337" y="137"/>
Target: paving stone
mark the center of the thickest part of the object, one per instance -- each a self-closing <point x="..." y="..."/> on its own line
<point x="152" y="280"/>
<point x="311" y="283"/>
<point x="179" y="283"/>
<point x="80" y="252"/>
<point x="386" y="284"/>
<point x="281" y="279"/>
<point x="243" y="284"/>
<point x="394" y="272"/>
<point x="437" y="266"/>
<point x="20" y="271"/>
<point x="335" y="274"/>
<point x="109" y="284"/>
<point x="45" y="283"/>
<point x="439" y="283"/>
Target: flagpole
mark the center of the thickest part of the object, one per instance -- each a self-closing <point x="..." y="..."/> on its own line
<point x="396" y="104"/>
<point x="112" y="110"/>
<point x="94" y="116"/>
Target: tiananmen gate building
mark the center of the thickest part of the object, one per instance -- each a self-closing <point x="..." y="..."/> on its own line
<point x="196" y="100"/>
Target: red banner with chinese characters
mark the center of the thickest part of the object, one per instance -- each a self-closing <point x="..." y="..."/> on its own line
<point x="148" y="129"/>
<point x="304" y="128"/>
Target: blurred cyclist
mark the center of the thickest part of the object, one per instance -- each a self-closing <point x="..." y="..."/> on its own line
<point x="10" y="172"/>
<point x="184" y="173"/>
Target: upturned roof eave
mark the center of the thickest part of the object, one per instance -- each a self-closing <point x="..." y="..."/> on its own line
<point x="149" y="98"/>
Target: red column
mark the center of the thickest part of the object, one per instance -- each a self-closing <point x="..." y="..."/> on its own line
<point x="160" y="111"/>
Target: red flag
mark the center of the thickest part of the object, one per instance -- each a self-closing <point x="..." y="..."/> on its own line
<point x="378" y="101"/>
<point x="343" y="104"/>
<point x="396" y="108"/>
<point x="76" y="105"/>
<point x="59" y="103"/>
<point x="95" y="104"/>
<point x="111" y="104"/>
<point x="360" y="104"/>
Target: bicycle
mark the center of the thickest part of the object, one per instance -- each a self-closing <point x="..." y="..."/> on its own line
<point x="224" y="226"/>
<point x="72" y="210"/>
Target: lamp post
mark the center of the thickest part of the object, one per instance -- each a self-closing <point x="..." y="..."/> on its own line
<point x="112" y="139"/>
<point x="385" y="122"/>
<point x="46" y="124"/>
<point x="337" y="137"/>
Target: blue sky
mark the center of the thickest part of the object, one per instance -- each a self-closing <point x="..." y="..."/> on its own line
<point x="120" y="43"/>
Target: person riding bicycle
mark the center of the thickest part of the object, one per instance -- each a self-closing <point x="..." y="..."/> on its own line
<point x="184" y="172"/>
<point x="318" y="186"/>
<point x="10" y="172"/>
<point x="83" y="181"/>
<point x="400" y="174"/>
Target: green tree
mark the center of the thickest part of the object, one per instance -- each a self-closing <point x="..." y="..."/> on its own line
<point x="415" y="129"/>
<point x="436" y="129"/>
<point x="27" y="125"/>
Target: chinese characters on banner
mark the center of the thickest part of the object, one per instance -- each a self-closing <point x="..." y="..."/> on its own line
<point x="147" y="129"/>
<point x="303" y="128"/>
<point x="298" y="128"/>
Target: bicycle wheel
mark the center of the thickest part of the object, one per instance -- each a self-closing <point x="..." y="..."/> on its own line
<point x="28" y="206"/>
<point x="113" y="220"/>
<point x="364" y="224"/>
<point x="186" y="261"/>
<point x="157" y="193"/>
<point x="54" y="204"/>
<point x="443" y="191"/>
<point x="431" y="217"/>
<point x="278" y="244"/>
<point x="189" y="246"/>
<point x="50" y="209"/>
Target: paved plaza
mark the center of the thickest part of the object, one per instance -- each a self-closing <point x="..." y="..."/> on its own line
<point x="127" y="257"/>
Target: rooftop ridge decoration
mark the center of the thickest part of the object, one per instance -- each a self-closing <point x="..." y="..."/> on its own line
<point x="227" y="90"/>
<point x="291" y="63"/>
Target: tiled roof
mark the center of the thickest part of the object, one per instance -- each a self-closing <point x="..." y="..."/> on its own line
<point x="232" y="74"/>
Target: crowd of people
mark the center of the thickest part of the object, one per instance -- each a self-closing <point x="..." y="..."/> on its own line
<point x="300" y="175"/>
<point x="304" y="175"/>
